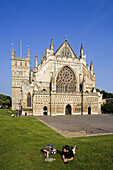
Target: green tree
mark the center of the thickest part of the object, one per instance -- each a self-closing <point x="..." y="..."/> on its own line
<point x="5" y="100"/>
<point x="107" y="108"/>
<point x="106" y="94"/>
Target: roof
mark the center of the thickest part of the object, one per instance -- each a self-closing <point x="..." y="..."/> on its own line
<point x="68" y="45"/>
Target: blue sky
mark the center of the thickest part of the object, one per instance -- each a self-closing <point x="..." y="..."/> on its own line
<point x="35" y="22"/>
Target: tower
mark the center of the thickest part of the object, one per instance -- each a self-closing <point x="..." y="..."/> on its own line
<point x="36" y="64"/>
<point x="20" y="74"/>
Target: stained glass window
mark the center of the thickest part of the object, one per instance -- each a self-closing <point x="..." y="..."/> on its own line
<point x="66" y="81"/>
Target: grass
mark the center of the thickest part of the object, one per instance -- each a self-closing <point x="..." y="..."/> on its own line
<point x="22" y="138"/>
<point x="5" y="112"/>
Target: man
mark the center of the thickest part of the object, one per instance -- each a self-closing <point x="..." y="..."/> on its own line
<point x="48" y="149"/>
<point x="67" y="153"/>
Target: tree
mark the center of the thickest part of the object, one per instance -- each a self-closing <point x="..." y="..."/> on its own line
<point x="5" y="100"/>
<point x="107" y="108"/>
<point x="106" y="94"/>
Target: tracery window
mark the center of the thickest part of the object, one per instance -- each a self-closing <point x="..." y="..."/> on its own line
<point x="66" y="81"/>
<point x="65" y="52"/>
<point x="28" y="100"/>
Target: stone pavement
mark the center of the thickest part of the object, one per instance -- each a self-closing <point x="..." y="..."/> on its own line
<point x="78" y="126"/>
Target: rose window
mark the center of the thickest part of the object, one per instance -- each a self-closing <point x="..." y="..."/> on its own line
<point x="65" y="81"/>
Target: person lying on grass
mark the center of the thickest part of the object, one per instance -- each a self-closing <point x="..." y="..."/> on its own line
<point x="67" y="153"/>
<point x="48" y="149"/>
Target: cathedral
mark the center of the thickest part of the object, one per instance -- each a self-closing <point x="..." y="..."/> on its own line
<point x="62" y="84"/>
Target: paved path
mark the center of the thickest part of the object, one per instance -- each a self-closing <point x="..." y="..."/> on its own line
<point x="74" y="126"/>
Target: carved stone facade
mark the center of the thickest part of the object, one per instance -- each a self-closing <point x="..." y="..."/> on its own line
<point x="61" y="84"/>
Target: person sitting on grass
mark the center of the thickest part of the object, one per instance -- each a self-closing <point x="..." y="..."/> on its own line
<point x="48" y="149"/>
<point x="67" y="153"/>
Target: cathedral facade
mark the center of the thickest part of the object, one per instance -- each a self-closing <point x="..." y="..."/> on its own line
<point x="62" y="84"/>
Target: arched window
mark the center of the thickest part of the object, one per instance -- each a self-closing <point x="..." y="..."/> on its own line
<point x="66" y="81"/>
<point x="16" y="63"/>
<point x="29" y="100"/>
<point x="20" y="63"/>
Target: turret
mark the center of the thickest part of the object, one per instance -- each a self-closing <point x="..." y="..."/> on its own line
<point x="28" y="54"/>
<point x="36" y="61"/>
<point x="82" y="55"/>
<point x="81" y="51"/>
<point x="91" y="67"/>
<point x="12" y="53"/>
<point x="51" y="45"/>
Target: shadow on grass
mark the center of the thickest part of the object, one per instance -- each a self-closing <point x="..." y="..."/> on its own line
<point x="59" y="152"/>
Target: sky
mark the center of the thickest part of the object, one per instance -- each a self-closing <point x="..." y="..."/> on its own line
<point x="35" y="22"/>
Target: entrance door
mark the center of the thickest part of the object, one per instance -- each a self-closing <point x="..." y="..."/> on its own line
<point x="45" y="111"/>
<point x="89" y="110"/>
<point x="68" y="110"/>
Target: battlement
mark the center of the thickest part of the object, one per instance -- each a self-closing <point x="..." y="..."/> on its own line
<point x="21" y="58"/>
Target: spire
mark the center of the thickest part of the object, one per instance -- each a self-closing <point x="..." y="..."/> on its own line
<point x="65" y="37"/>
<point x="36" y="60"/>
<point x="51" y="45"/>
<point x="81" y="47"/>
<point x="91" y="67"/>
<point x="28" y="52"/>
<point x="81" y="51"/>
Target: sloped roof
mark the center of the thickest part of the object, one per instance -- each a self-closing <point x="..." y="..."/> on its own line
<point x="68" y="45"/>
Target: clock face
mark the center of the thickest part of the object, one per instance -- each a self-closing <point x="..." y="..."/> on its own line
<point x="65" y="52"/>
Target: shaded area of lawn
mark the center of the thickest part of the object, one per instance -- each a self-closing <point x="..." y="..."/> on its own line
<point x="5" y="112"/>
<point x="22" y="138"/>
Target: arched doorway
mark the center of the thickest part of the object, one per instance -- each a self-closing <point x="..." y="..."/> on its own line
<point x="89" y="110"/>
<point x="68" y="110"/>
<point x="45" y="110"/>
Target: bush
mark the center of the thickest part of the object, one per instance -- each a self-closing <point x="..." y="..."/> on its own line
<point x="107" y="108"/>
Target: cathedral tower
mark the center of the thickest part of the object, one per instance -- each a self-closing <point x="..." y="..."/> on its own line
<point x="20" y="74"/>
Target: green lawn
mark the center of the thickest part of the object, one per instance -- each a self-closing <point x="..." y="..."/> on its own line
<point x="5" y="112"/>
<point x="22" y="138"/>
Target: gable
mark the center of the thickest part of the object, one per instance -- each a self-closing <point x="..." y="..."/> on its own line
<point x="65" y="50"/>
